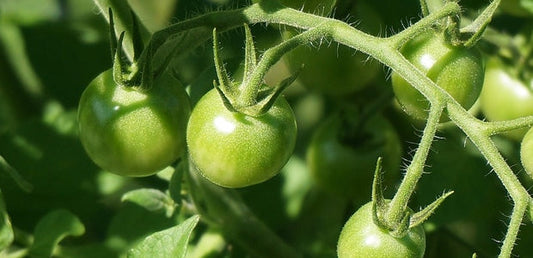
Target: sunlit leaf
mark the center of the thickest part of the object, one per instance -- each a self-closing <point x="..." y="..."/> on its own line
<point x="51" y="229"/>
<point x="171" y="242"/>
<point x="150" y="199"/>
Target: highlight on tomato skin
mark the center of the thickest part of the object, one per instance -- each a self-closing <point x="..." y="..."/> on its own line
<point x="505" y="96"/>
<point x="457" y="70"/>
<point x="131" y="132"/>
<point x="361" y="237"/>
<point x="234" y="150"/>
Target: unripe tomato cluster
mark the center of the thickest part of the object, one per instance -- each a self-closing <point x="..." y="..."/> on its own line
<point x="137" y="132"/>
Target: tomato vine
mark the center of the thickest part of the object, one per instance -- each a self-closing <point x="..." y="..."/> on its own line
<point x="227" y="131"/>
<point x="385" y="50"/>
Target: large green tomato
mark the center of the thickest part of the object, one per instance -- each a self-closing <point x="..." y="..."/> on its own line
<point x="343" y="162"/>
<point x="131" y="132"/>
<point x="361" y="237"/>
<point x="232" y="149"/>
<point x="457" y="70"/>
<point x="505" y="96"/>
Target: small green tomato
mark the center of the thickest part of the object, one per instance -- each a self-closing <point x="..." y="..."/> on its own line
<point x="232" y="149"/>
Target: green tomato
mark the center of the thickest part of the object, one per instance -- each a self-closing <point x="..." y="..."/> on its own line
<point x="131" y="132"/>
<point x="343" y="164"/>
<point x="457" y="70"/>
<point x="505" y="96"/>
<point x="232" y="149"/>
<point x="526" y="152"/>
<point x="361" y="237"/>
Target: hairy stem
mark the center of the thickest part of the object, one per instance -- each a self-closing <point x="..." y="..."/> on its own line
<point x="398" y="205"/>
<point x="474" y="130"/>
<point x="386" y="51"/>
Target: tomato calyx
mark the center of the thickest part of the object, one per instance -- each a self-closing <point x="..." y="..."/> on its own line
<point x="398" y="227"/>
<point x="468" y="35"/>
<point x="251" y="96"/>
<point x="138" y="73"/>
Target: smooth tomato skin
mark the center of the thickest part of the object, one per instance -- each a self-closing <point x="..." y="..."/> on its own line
<point x="347" y="169"/>
<point x="130" y="132"/>
<point x="526" y="152"/>
<point x="361" y="237"/>
<point x="505" y="96"/>
<point x="457" y="70"/>
<point x="234" y="150"/>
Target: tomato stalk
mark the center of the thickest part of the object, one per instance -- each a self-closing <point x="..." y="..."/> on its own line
<point x="384" y="50"/>
<point x="473" y="128"/>
<point x="398" y="205"/>
<point x="497" y="127"/>
<point x="251" y="87"/>
<point x="398" y="40"/>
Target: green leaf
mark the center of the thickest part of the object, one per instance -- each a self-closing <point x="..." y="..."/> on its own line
<point x="150" y="199"/>
<point x="475" y="30"/>
<point x="171" y="242"/>
<point x="421" y="216"/>
<point x="51" y="229"/>
<point x="6" y="232"/>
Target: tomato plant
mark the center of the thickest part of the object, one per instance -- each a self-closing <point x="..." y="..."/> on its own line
<point x="505" y="96"/>
<point x="457" y="70"/>
<point x="341" y="156"/>
<point x="232" y="149"/>
<point x="360" y="236"/>
<point x="237" y="173"/>
<point x="131" y="132"/>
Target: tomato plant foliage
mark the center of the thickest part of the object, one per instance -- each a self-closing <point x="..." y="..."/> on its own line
<point x="266" y="128"/>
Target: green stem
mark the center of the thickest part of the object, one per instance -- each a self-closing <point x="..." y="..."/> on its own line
<point x="473" y="129"/>
<point x="384" y="50"/>
<point x="423" y="25"/>
<point x="273" y="55"/>
<point x="496" y="127"/>
<point x="424" y="7"/>
<point x="398" y="205"/>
